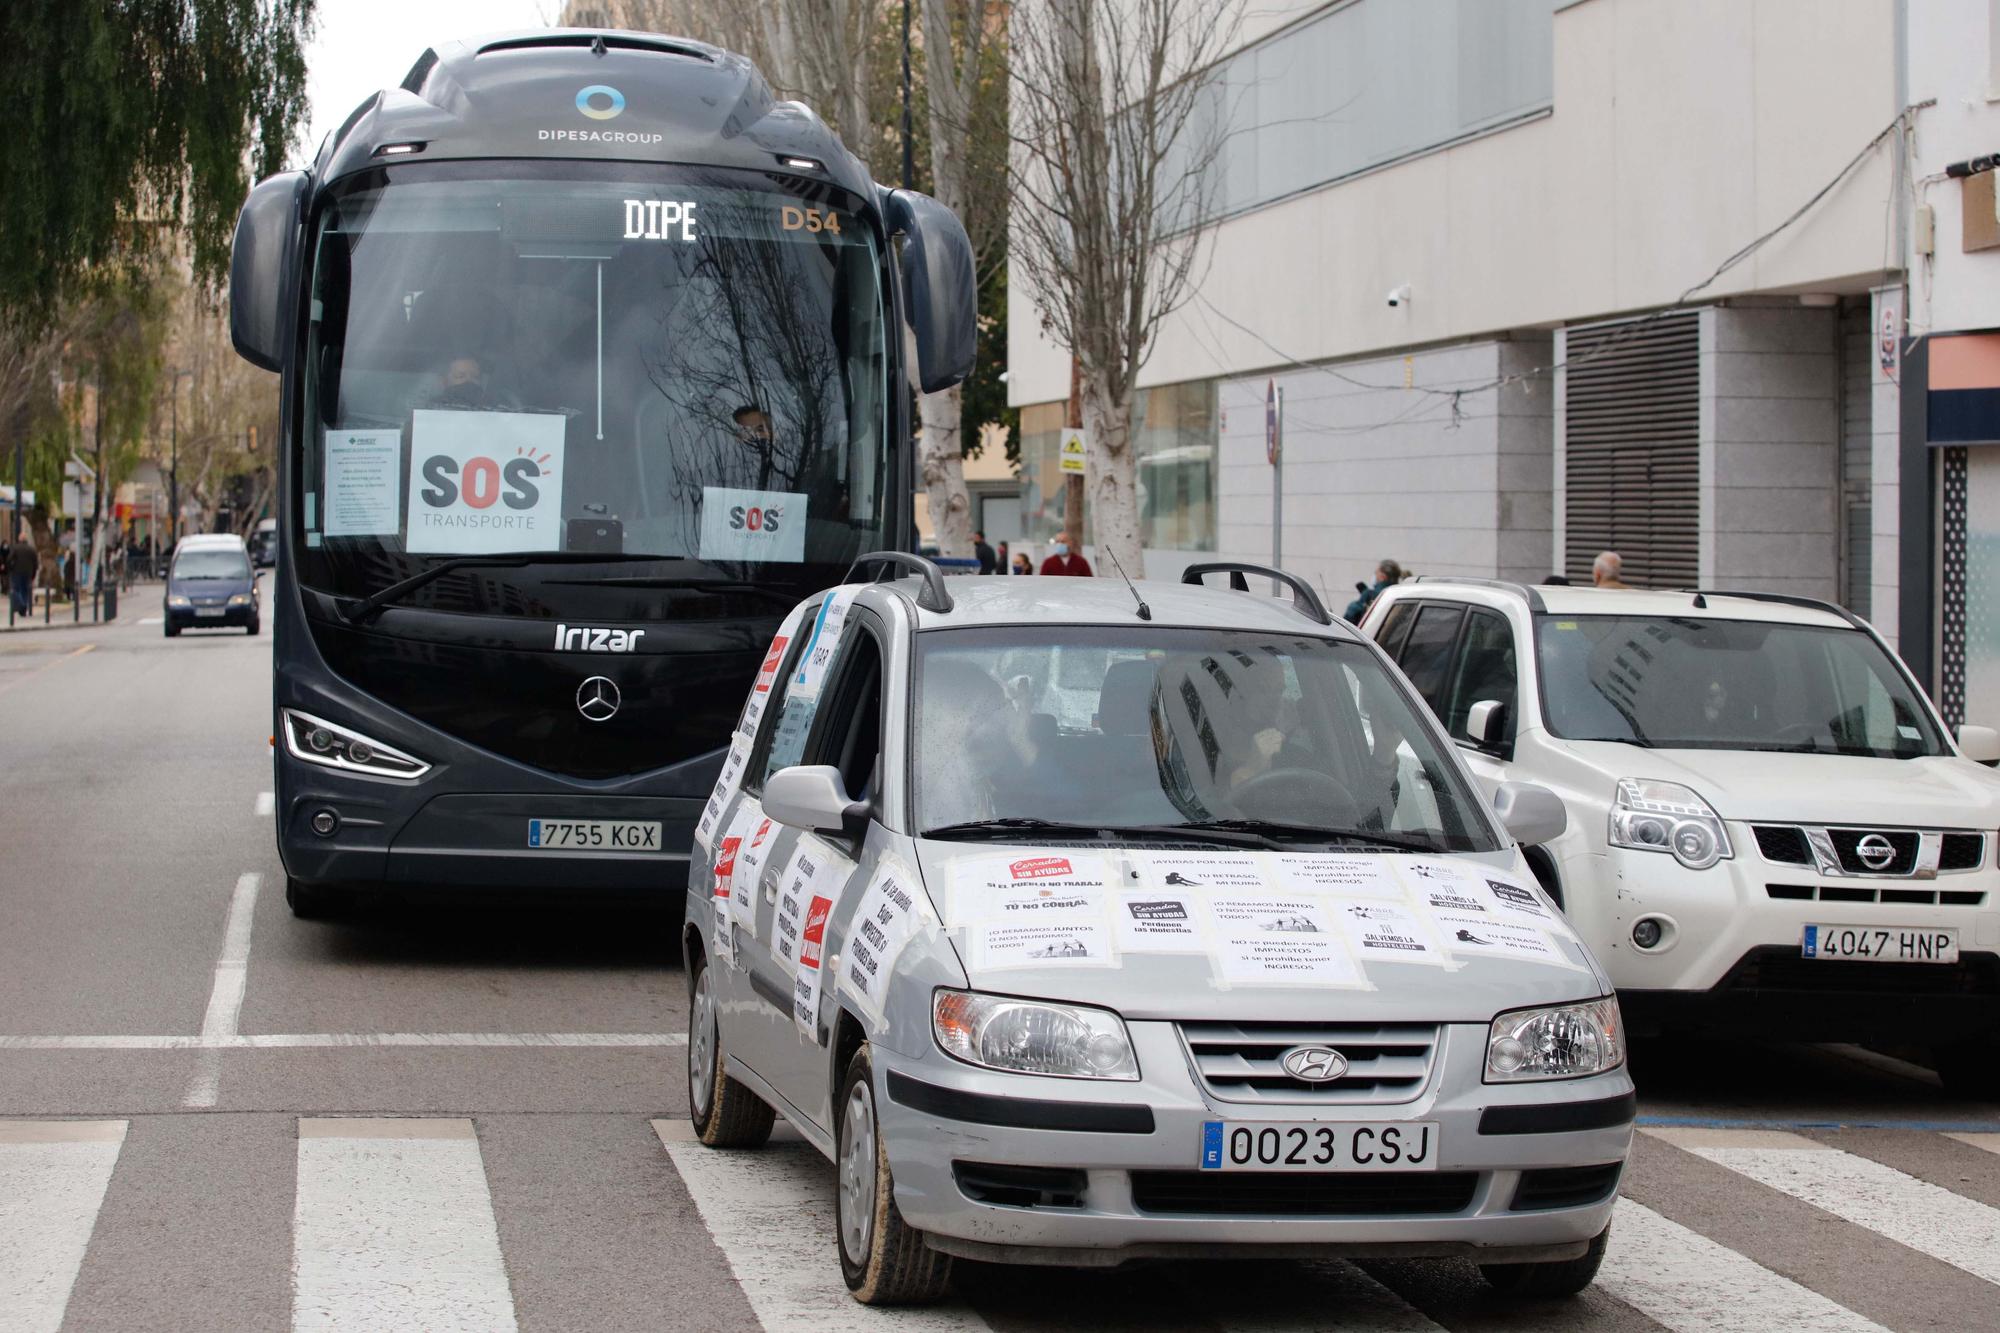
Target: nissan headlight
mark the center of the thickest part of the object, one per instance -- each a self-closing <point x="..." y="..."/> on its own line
<point x="1032" y="1037"/>
<point x="179" y="601"/>
<point x="1562" y="1041"/>
<point x="317" y="741"/>
<point x="1653" y="816"/>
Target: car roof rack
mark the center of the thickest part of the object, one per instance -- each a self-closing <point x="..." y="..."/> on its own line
<point x="1522" y="590"/>
<point x="1304" y="599"/>
<point x="1783" y="599"/>
<point x="932" y="598"/>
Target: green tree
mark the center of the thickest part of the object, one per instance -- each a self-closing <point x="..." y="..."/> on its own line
<point x="133" y="124"/>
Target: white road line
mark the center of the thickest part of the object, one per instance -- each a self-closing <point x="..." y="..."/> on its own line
<point x="394" y="1229"/>
<point x="53" y="1175"/>
<point x="1689" y="1283"/>
<point x="313" y="1040"/>
<point x="1990" y="1142"/>
<point x="151" y="620"/>
<point x="1928" y="1218"/>
<point x="771" y="1212"/>
<point x="266" y="803"/>
<point x="225" y="998"/>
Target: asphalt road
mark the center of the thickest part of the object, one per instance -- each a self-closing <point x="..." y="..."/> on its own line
<point x="214" y="1116"/>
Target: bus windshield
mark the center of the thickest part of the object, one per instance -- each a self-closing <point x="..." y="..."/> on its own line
<point x="680" y="369"/>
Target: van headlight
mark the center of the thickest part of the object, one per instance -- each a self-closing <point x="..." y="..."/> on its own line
<point x="1561" y="1041"/>
<point x="1032" y="1037"/>
<point x="1650" y="816"/>
<point x="317" y="741"/>
<point x="239" y="599"/>
<point x="179" y="601"/>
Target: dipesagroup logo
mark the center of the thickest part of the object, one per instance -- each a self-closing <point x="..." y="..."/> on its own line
<point x="588" y="101"/>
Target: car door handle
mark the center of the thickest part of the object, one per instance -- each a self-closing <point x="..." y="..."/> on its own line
<point x="771" y="890"/>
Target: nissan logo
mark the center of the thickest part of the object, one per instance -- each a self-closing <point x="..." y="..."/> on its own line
<point x="597" y="699"/>
<point x="1875" y="851"/>
<point x="1314" y="1064"/>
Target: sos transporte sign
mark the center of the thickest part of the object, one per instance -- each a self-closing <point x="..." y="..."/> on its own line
<point x="485" y="481"/>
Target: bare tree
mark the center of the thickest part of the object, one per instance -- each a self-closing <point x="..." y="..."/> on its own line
<point x="1116" y="133"/>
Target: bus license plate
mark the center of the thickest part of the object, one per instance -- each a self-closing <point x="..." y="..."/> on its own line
<point x="594" y="835"/>
<point x="1291" y="1145"/>
<point x="1883" y="944"/>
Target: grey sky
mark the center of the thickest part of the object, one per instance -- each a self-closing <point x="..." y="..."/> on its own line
<point x="366" y="45"/>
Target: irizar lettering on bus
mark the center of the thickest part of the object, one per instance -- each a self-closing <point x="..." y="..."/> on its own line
<point x="590" y="639"/>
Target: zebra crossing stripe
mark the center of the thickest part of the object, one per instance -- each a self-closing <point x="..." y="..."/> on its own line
<point x="1990" y="1142"/>
<point x="53" y="1174"/>
<point x="1962" y="1232"/>
<point x="771" y="1213"/>
<point x="1682" y="1279"/>
<point x="394" y="1229"/>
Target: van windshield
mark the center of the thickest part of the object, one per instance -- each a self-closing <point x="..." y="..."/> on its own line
<point x="1709" y="684"/>
<point x="211" y="562"/>
<point x="1144" y="728"/>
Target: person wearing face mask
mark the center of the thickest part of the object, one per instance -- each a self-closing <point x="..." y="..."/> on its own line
<point x="1061" y="561"/>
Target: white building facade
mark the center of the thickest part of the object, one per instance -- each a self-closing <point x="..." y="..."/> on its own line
<point x="1650" y="264"/>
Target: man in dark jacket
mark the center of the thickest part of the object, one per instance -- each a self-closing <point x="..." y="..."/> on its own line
<point x="988" y="562"/>
<point x="22" y="560"/>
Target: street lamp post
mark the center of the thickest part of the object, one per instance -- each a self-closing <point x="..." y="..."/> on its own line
<point x="174" y="464"/>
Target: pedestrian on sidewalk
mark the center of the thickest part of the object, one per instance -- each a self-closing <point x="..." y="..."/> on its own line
<point x="1387" y="575"/>
<point x="988" y="562"/>
<point x="1060" y="561"/>
<point x="1607" y="569"/>
<point x="22" y="558"/>
<point x="1021" y="564"/>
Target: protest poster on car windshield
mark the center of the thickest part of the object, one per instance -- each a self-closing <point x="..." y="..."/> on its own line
<point x="1388" y="933"/>
<point x="1341" y="876"/>
<point x="1280" y="939"/>
<point x="1035" y="911"/>
<point x="760" y="689"/>
<point x="814" y="871"/>
<point x="822" y="641"/>
<point x="1205" y="872"/>
<point x="1470" y="935"/>
<point x="1159" y="922"/>
<point x="883" y="922"/>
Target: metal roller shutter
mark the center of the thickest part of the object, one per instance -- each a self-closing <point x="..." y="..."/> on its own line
<point x="1631" y="448"/>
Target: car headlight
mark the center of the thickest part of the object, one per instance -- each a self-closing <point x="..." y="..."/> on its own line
<point x="178" y="600"/>
<point x="1562" y="1041"/>
<point x="239" y="599"/>
<point x="317" y="741"/>
<point x="1032" y="1037"/>
<point x="1667" y="817"/>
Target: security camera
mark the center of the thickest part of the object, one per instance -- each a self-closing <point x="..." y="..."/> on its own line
<point x="1399" y="296"/>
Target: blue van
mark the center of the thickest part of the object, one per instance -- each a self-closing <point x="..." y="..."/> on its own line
<point x="210" y="584"/>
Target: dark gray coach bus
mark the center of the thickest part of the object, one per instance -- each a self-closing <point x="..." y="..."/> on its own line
<point x="596" y="358"/>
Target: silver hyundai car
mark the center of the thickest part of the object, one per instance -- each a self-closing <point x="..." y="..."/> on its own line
<point x="1080" y="921"/>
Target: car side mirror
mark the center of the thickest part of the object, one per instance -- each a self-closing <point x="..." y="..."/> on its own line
<point x="1531" y="814"/>
<point x="1979" y="744"/>
<point x="940" y="287"/>
<point x="813" y="797"/>
<point x="266" y="234"/>
<point x="1486" y="724"/>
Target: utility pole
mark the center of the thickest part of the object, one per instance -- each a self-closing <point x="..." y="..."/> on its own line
<point x="909" y="144"/>
<point x="14" y="535"/>
<point x="174" y="464"/>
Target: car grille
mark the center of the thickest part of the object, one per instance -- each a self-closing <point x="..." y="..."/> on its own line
<point x="1565" y="1187"/>
<point x="1791" y="844"/>
<point x="1905" y="841"/>
<point x="1963" y="851"/>
<point x="1849" y="893"/>
<point x="1304" y="1194"/>
<point x="1780" y="842"/>
<point x="1783" y="968"/>
<point x="1238" y="1062"/>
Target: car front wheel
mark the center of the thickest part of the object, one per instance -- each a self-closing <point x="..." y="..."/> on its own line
<point x="1559" y="1277"/>
<point x="882" y="1257"/>
<point x="724" y="1112"/>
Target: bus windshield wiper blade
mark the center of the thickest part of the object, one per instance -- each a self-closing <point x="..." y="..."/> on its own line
<point x="380" y="598"/>
<point x="716" y="586"/>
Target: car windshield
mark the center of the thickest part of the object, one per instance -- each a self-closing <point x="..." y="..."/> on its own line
<point x="682" y="369"/>
<point x="1711" y="684"/>
<point x="214" y="562"/>
<point x="1149" y="728"/>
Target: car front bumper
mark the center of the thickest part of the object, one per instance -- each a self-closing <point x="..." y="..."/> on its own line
<point x="232" y="617"/>
<point x="1524" y="1172"/>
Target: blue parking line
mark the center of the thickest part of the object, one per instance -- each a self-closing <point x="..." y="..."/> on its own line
<point x="1736" y="1122"/>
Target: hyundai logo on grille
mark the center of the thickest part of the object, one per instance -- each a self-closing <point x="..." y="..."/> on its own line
<point x="1314" y="1064"/>
<point x="1875" y="851"/>
<point x="597" y="699"/>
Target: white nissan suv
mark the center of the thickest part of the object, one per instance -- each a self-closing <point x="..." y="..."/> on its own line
<point x="1770" y="828"/>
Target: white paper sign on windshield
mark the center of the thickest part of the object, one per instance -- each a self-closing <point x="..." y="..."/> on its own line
<point x="822" y="642"/>
<point x="1045" y="944"/>
<point x="1470" y="936"/>
<point x="752" y="525"/>
<point x="1366" y="876"/>
<point x="1206" y="872"/>
<point x="364" y="483"/>
<point x="485" y="481"/>
<point x="1023" y="885"/>
<point x="1159" y="923"/>
<point x="1443" y="887"/>
<point x="1275" y="939"/>
<point x="813" y="872"/>
<point x="1387" y="932"/>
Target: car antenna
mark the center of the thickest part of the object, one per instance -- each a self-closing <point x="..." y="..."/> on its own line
<point x="1700" y="602"/>
<point x="1145" y="612"/>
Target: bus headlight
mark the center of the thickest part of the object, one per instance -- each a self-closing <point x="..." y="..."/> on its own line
<point x="1667" y="817"/>
<point x="317" y="741"/>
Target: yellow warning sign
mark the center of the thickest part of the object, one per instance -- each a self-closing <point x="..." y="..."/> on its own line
<point x="1074" y="440"/>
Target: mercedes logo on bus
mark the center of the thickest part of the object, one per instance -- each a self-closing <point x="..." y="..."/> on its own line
<point x="597" y="699"/>
<point x="1875" y="851"/>
<point x="1314" y="1064"/>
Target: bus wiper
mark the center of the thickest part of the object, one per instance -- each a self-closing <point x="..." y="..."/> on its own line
<point x="789" y="600"/>
<point x="1277" y="833"/>
<point x="375" y="601"/>
<point x="1014" y="826"/>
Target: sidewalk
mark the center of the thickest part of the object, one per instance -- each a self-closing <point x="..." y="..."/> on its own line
<point x="142" y="598"/>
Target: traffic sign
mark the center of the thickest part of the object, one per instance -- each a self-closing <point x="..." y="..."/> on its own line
<point x="1074" y="442"/>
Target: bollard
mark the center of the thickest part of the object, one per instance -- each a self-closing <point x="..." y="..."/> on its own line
<point x="111" y="601"/>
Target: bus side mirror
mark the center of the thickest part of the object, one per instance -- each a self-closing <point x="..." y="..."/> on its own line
<point x="259" y="259"/>
<point x="940" y="285"/>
